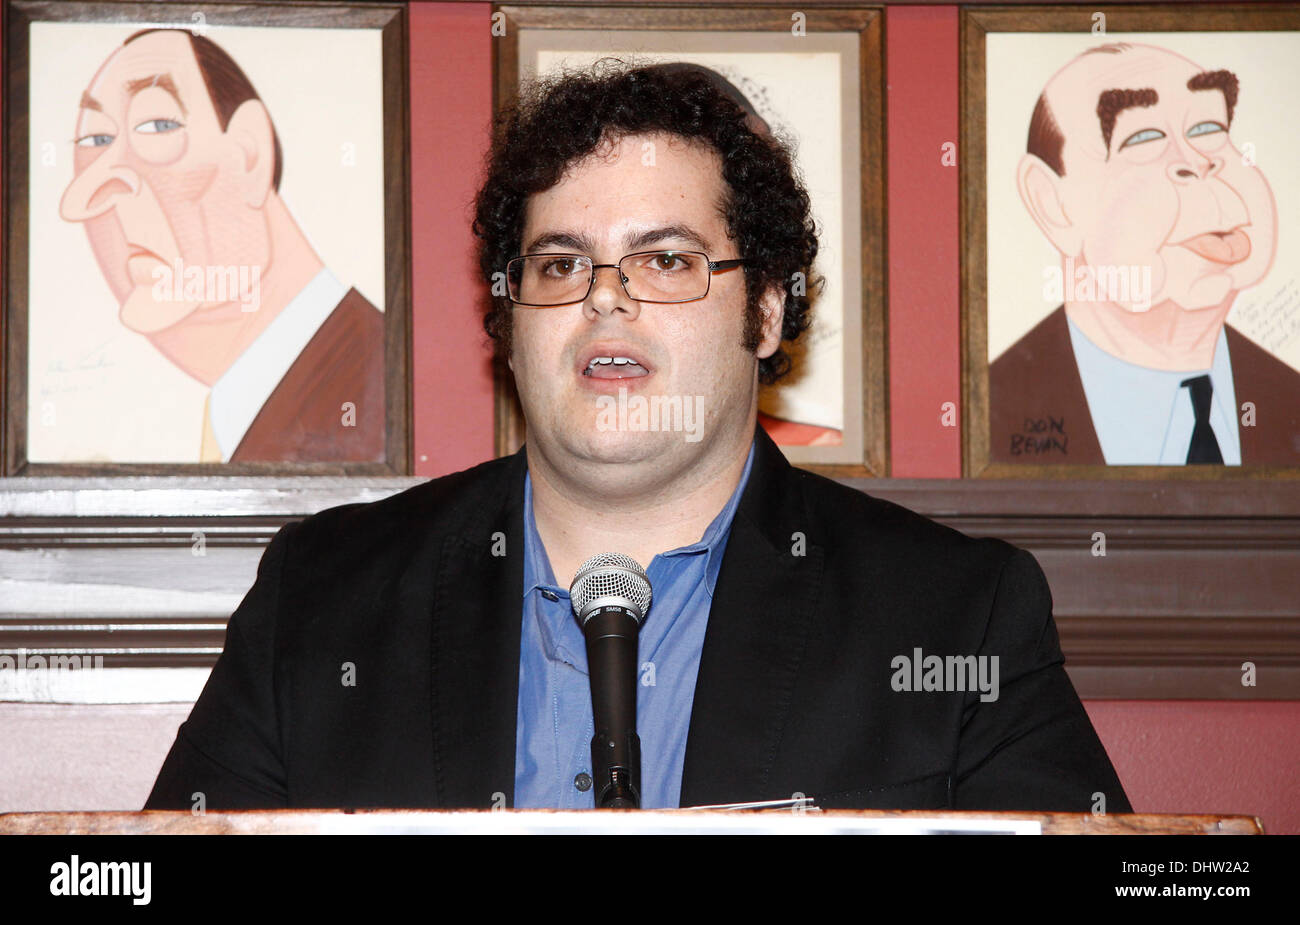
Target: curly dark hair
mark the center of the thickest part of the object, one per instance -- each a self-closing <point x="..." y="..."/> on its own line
<point x="560" y="120"/>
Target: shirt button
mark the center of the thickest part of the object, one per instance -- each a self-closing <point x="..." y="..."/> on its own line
<point x="582" y="781"/>
<point x="550" y="595"/>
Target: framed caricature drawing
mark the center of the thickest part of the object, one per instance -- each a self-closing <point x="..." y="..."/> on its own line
<point x="815" y="82"/>
<point x="206" y="263"/>
<point x="1132" y="276"/>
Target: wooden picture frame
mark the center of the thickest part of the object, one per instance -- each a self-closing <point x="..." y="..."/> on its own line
<point x="981" y="458"/>
<point x="384" y="193"/>
<point x="704" y="30"/>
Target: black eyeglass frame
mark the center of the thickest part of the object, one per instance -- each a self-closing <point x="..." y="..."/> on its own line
<point x="713" y="265"/>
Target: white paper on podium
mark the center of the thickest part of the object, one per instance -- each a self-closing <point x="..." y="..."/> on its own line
<point x="667" y="822"/>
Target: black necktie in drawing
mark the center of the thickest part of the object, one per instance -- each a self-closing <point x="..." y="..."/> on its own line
<point x="1203" y="448"/>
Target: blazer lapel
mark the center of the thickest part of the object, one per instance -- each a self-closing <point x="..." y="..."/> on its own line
<point x="763" y="606"/>
<point x="476" y="616"/>
<point x="1037" y="379"/>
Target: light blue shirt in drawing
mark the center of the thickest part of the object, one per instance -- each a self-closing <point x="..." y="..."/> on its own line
<point x="1143" y="417"/>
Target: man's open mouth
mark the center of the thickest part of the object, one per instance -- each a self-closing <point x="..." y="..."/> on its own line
<point x="614" y="367"/>
<point x="1220" y="246"/>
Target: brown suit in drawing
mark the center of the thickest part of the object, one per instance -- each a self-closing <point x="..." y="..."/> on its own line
<point x="303" y="419"/>
<point x="1038" y="412"/>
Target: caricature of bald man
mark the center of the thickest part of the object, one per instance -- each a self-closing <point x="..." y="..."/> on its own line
<point x="1133" y="176"/>
<point x="176" y="179"/>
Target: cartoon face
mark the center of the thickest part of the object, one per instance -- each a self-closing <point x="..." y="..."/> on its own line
<point x="158" y="183"/>
<point x="1147" y="174"/>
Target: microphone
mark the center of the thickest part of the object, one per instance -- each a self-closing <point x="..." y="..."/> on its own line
<point x="611" y="596"/>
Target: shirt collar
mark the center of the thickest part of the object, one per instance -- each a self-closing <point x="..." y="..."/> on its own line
<point x="239" y="394"/>
<point x="538" y="573"/>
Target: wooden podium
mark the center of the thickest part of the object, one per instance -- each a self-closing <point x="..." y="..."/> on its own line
<point x="616" y="822"/>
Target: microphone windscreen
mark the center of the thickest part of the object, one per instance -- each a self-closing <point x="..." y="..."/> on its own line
<point x="610" y="579"/>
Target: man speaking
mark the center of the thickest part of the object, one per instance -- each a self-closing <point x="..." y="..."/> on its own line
<point x="804" y="640"/>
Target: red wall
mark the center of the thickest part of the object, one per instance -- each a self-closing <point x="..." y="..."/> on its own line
<point x="451" y="105"/>
<point x="922" y="247"/>
<point x="1206" y="756"/>
<point x="1173" y="756"/>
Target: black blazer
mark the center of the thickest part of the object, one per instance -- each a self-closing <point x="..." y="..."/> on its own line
<point x="794" y="691"/>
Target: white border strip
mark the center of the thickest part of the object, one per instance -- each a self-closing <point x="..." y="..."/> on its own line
<point x="102" y="685"/>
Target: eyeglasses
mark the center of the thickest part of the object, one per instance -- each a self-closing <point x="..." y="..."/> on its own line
<point x="545" y="280"/>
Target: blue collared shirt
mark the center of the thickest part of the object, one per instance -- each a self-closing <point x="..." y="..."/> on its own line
<point x="554" y="725"/>
<point x="1144" y="416"/>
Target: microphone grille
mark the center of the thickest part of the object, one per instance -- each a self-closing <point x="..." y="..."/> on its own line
<point x="610" y="575"/>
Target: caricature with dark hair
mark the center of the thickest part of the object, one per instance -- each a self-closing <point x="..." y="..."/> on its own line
<point x="176" y="179"/>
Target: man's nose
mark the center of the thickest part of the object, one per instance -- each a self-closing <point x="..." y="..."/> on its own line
<point x="608" y="296"/>
<point x="97" y="189"/>
<point x="1192" y="165"/>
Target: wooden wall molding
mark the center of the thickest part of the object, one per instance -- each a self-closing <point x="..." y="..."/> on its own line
<point x="1192" y="586"/>
<point x="1189" y="588"/>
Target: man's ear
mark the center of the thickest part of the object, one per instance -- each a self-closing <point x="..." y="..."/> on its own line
<point x="1040" y="190"/>
<point x="249" y="130"/>
<point x="772" y="307"/>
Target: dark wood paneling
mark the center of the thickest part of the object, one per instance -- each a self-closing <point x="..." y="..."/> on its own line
<point x="1189" y="588"/>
